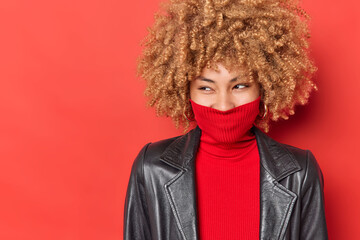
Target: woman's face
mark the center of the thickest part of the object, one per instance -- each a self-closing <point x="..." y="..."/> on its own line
<point x="223" y="90"/>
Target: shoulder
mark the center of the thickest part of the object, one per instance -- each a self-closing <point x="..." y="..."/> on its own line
<point x="155" y="149"/>
<point x="311" y="171"/>
<point x="282" y="152"/>
<point x="304" y="157"/>
<point x="152" y="151"/>
<point x="285" y="154"/>
<point x="149" y="154"/>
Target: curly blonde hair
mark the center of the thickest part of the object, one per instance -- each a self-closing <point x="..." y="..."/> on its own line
<point x="267" y="37"/>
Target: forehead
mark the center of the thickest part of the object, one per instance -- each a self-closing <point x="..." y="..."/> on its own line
<point x="211" y="75"/>
<point x="223" y="69"/>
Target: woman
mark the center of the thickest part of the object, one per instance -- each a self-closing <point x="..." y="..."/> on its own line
<point x="228" y="67"/>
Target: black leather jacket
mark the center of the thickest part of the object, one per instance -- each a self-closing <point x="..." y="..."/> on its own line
<point x="161" y="197"/>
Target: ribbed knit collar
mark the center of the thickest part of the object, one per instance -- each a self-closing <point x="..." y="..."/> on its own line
<point x="226" y="134"/>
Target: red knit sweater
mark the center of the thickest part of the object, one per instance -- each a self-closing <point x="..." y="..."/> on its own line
<point x="228" y="187"/>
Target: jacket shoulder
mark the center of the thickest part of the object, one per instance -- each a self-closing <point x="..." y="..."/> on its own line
<point x="304" y="157"/>
<point x="153" y="150"/>
<point x="299" y="154"/>
<point x="285" y="154"/>
<point x="311" y="170"/>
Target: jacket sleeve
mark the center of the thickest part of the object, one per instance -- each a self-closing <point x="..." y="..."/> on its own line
<point x="136" y="219"/>
<point x="313" y="222"/>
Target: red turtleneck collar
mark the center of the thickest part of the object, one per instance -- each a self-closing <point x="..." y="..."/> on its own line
<point x="226" y="134"/>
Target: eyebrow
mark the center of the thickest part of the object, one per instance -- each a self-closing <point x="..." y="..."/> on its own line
<point x="212" y="81"/>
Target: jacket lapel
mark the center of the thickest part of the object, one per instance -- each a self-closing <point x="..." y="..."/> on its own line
<point x="180" y="190"/>
<point x="276" y="201"/>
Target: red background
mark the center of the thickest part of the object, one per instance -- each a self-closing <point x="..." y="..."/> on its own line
<point x="73" y="115"/>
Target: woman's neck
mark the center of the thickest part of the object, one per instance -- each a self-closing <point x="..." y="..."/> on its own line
<point x="226" y="150"/>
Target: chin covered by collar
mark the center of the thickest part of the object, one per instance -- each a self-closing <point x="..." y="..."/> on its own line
<point x="226" y="126"/>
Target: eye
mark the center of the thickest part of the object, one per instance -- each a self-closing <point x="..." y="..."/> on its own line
<point x="203" y="88"/>
<point x="242" y="86"/>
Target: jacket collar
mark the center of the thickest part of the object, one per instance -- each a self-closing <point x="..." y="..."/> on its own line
<point x="276" y="201"/>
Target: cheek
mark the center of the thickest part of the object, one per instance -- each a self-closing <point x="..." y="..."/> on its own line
<point x="255" y="91"/>
<point x="193" y="90"/>
<point x="247" y="96"/>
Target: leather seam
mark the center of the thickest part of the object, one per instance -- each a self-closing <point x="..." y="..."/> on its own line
<point x="306" y="172"/>
<point x="172" y="205"/>
<point x="143" y="183"/>
<point x="286" y="218"/>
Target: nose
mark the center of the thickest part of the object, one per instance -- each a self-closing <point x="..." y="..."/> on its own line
<point x="224" y="102"/>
